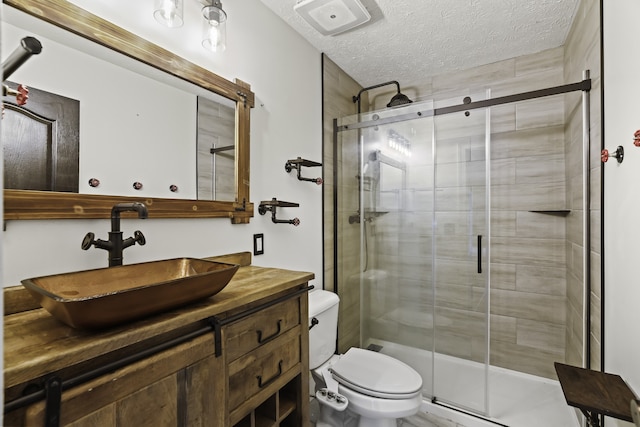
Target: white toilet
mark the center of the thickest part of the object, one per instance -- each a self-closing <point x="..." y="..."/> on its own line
<point x="361" y="387"/>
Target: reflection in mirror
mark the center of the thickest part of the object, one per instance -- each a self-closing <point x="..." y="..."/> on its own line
<point x="136" y="125"/>
<point x="216" y="150"/>
<point x="40" y="141"/>
<point x="122" y="142"/>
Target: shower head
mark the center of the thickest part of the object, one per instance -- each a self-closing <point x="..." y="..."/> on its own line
<point x="399" y="99"/>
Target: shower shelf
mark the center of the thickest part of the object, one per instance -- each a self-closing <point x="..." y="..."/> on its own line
<point x="298" y="164"/>
<point x="369" y="215"/>
<point x="556" y="212"/>
<point x="271" y="205"/>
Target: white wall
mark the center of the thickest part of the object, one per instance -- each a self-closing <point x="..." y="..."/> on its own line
<point x="284" y="73"/>
<point x="622" y="191"/>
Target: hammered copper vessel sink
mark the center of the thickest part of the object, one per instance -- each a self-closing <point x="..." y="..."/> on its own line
<point x="94" y="299"/>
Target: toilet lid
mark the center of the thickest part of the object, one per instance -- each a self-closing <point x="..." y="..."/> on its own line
<point x="376" y="374"/>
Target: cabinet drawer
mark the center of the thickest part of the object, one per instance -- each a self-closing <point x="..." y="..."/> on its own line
<point x="251" y="332"/>
<point x="267" y="365"/>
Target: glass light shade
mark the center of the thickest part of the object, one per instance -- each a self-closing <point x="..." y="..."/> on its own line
<point x="169" y="13"/>
<point x="214" y="27"/>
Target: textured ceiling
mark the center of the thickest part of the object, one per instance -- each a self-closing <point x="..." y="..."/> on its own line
<point x="406" y="40"/>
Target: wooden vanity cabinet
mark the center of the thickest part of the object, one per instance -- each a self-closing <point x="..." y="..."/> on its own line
<point x="181" y="386"/>
<point x="251" y="369"/>
<point x="267" y="366"/>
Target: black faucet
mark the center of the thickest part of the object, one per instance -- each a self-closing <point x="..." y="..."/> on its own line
<point x="116" y="244"/>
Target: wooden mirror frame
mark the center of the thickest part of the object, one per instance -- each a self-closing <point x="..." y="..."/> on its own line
<point x="27" y="204"/>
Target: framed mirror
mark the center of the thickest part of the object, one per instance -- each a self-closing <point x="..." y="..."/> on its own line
<point x="26" y="204"/>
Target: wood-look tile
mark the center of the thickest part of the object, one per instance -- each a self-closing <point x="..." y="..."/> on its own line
<point x="528" y="251"/>
<point x="528" y="142"/>
<point x="524" y="305"/>
<point x="541" y="280"/>
<point x="543" y="112"/>
<point x="541" y="226"/>
<point x="503" y="276"/>
<point x="525" y="359"/>
<point x="541" y="335"/>
<point x="544" y="196"/>
<point x="477" y="76"/>
<point x="550" y="59"/>
<point x="503" y="328"/>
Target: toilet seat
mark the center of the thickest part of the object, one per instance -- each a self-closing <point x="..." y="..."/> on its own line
<point x="376" y="375"/>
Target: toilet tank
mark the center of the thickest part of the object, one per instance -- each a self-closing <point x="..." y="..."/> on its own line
<point x="323" y="307"/>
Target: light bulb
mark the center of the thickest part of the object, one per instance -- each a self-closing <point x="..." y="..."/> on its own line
<point x="214" y="31"/>
<point x="169" y="13"/>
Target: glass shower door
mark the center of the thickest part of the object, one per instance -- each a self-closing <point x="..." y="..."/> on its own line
<point x="460" y="259"/>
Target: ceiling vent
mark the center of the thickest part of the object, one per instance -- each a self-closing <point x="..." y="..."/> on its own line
<point x="331" y="17"/>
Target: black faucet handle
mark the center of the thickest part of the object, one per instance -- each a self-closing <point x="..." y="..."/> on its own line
<point x="139" y="237"/>
<point x="88" y="240"/>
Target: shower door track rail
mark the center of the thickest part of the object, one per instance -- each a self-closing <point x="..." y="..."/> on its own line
<point x="435" y="401"/>
<point x="584" y="86"/>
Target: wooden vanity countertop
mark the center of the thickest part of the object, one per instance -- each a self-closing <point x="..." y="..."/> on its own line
<point x="36" y="344"/>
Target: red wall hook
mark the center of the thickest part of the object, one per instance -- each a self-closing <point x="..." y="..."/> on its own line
<point x="618" y="154"/>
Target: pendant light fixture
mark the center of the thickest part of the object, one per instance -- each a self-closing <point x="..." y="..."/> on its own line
<point x="169" y="12"/>
<point x="214" y="27"/>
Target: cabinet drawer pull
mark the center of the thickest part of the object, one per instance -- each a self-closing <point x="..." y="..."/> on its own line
<point x="272" y="379"/>
<point x="270" y="337"/>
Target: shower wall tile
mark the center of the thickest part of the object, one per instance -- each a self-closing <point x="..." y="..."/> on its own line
<point x="539" y="113"/>
<point x="574" y="226"/>
<point x="547" y="60"/>
<point x="574" y="292"/>
<point x="536" y="252"/>
<point x="540" y="335"/>
<point x="452" y="84"/>
<point x="540" y="226"/>
<point x="503" y="223"/>
<point x="516" y="197"/>
<point x="338" y="87"/>
<point x="540" y="169"/>
<point x="503" y="171"/>
<point x="456" y="272"/>
<point x="541" y="280"/>
<point x="503" y="119"/>
<point x="596" y="316"/>
<point x="460" y="199"/>
<point x="531" y="306"/>
<point x="504" y="328"/>
<point x="526" y="143"/>
<point x="525" y="359"/>
<point x="460" y="174"/>
<point x="596" y="240"/>
<point x="459" y="223"/>
<point x="525" y="83"/>
<point x="503" y="276"/>
<point x="452" y="150"/>
<point x="461" y="297"/>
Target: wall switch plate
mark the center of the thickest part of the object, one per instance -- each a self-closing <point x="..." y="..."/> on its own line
<point x="258" y="244"/>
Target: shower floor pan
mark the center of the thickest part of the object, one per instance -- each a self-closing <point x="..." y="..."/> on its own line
<point x="515" y="399"/>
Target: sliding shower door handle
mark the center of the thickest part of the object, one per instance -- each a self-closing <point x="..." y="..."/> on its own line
<point x="479" y="253"/>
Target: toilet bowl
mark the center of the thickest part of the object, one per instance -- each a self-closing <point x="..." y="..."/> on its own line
<point x="372" y="388"/>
